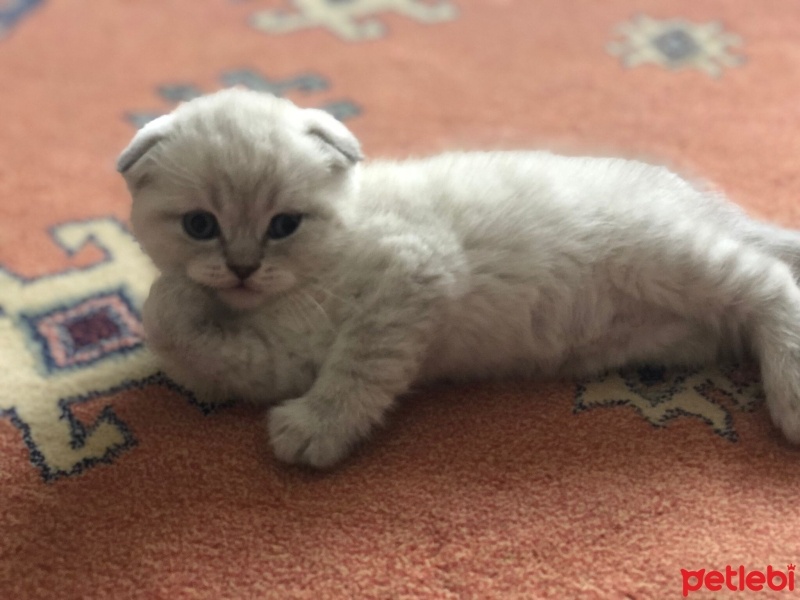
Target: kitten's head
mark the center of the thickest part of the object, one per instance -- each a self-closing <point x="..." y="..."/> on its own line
<point x="241" y="192"/>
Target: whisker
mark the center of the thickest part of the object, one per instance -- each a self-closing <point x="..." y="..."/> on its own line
<point x="298" y="316"/>
<point x="317" y="306"/>
<point x="349" y="303"/>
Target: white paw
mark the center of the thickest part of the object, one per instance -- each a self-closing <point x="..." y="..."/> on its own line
<point x="299" y="436"/>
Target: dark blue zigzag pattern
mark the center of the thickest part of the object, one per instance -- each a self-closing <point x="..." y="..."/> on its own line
<point x="80" y="431"/>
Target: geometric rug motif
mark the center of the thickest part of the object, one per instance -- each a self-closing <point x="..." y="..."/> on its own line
<point x="661" y="394"/>
<point x="309" y="82"/>
<point x="350" y="20"/>
<point x="78" y="335"/>
<point x="73" y="337"/>
<point x="676" y="44"/>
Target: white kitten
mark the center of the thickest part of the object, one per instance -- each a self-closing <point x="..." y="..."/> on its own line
<point x="289" y="273"/>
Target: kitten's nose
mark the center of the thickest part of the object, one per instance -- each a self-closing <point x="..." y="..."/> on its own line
<point x="242" y="271"/>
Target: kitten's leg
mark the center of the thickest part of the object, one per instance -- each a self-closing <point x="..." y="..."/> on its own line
<point x="198" y="353"/>
<point x="721" y="283"/>
<point x="374" y="359"/>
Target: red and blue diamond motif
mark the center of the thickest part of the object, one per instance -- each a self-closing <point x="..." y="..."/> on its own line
<point x="87" y="331"/>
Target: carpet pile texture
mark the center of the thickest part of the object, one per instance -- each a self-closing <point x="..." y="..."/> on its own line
<point x="114" y="484"/>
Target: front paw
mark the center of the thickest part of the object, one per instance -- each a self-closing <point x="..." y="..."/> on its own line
<point x="299" y="435"/>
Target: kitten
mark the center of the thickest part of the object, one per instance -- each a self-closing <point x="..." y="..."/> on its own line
<point x="292" y="274"/>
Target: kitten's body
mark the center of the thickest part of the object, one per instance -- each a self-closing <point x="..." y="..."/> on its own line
<point x="459" y="266"/>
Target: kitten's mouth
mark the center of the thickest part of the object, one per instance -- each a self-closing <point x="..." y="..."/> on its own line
<point x="240" y="288"/>
<point x="241" y="296"/>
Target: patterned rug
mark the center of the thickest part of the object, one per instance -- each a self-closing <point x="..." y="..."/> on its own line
<point x="643" y="484"/>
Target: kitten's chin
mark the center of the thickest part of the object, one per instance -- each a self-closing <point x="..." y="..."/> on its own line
<point x="242" y="298"/>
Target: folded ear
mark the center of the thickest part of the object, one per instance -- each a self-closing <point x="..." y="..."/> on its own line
<point x="147" y="137"/>
<point x="335" y="138"/>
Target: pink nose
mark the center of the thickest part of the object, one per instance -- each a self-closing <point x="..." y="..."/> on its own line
<point x="243" y="271"/>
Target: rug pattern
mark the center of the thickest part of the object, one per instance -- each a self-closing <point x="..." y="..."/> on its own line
<point x="306" y="83"/>
<point x="602" y="488"/>
<point x="70" y="336"/>
<point x="351" y="20"/>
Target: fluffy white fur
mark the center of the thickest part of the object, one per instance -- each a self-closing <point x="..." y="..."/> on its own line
<point x="458" y="266"/>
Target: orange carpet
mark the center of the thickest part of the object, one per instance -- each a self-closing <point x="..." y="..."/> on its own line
<point x="115" y="485"/>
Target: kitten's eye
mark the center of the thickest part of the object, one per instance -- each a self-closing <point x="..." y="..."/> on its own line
<point x="283" y="225"/>
<point x="200" y="225"/>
